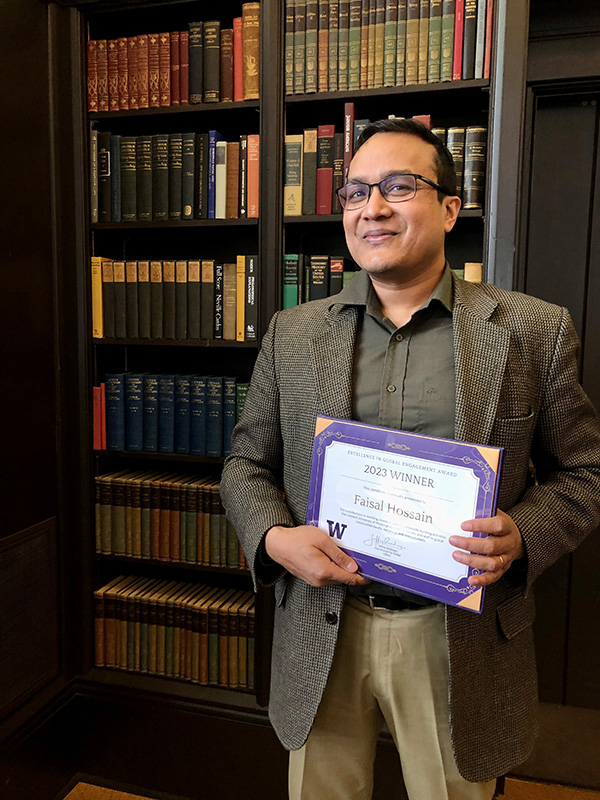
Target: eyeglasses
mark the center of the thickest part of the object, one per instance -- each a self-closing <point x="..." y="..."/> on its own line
<point x="394" y="189"/>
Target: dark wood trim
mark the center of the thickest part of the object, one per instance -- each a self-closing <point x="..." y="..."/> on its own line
<point x="176" y="565"/>
<point x="564" y="58"/>
<point x="386" y="91"/>
<point x="183" y="223"/>
<point x="212" y="343"/>
<point x="144" y="456"/>
<point x="192" y="108"/>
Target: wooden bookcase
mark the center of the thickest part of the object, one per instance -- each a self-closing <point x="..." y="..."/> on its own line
<point x="489" y="237"/>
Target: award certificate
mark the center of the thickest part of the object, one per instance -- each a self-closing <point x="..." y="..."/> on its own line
<point x="391" y="500"/>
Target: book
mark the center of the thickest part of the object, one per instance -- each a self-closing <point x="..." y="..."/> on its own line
<point x="150" y="413"/>
<point x="457" y="59"/>
<point x="160" y="177"/>
<point x="455" y="142"/>
<point x="251" y="49"/>
<point x="201" y="177"/>
<point x="226" y="67"/>
<point x="184" y="67"/>
<point x="168" y="300"/>
<point x="198" y="415"/>
<point x="243" y="197"/>
<point x="238" y="60"/>
<point x="309" y="171"/>
<point x="128" y="179"/>
<point x="290" y="280"/>
<point x="214" y="416"/>
<point x="181" y="300"/>
<point x="311" y="46"/>
<point x="144" y="299"/>
<point x="213" y="137"/>
<point x="108" y="299"/>
<point x="115" y="412"/>
<point x="229" y="301"/>
<point x="390" y="36"/>
<point x="253" y="175"/>
<point x="156" y="300"/>
<point x="143" y="175"/>
<point x="336" y="274"/>
<point x="435" y="41"/>
<point x="299" y="45"/>
<point x="473" y="271"/>
<point x="338" y="171"/>
<point x="322" y="47"/>
<point x="166" y="413"/>
<point x="240" y="298"/>
<point x="288" y="47"/>
<point x="132" y="71"/>
<point x="251" y="299"/>
<point x="354" y="37"/>
<point x="319" y="277"/>
<point x="343" y="36"/>
<point x="92" y="75"/>
<point x="333" y="47"/>
<point x="221" y="180"/>
<point x="207" y="299"/>
<point x="349" y="114"/>
<point x="212" y="61"/>
<point x="229" y="412"/>
<point x="411" y="70"/>
<point x="292" y="180"/>
<point x="371" y="44"/>
<point x="93" y="175"/>
<point x="122" y="73"/>
<point x="447" y="40"/>
<point x="97" y="304"/>
<point x="164" y="69"/>
<point x="115" y="178"/>
<point x="480" y="37"/>
<point x="131" y="300"/>
<point x="153" y="71"/>
<point x="489" y="44"/>
<point x="174" y="42"/>
<point x="423" y="41"/>
<point x="364" y="45"/>
<point x="188" y="158"/>
<point x="193" y="300"/>
<point x="474" y="166"/>
<point x="104" y="202"/>
<point x="120" y="299"/>
<point x="401" y="43"/>
<point x="134" y="412"/>
<point x="218" y="305"/>
<point x="380" y="6"/>
<point x="232" y="180"/>
<point x="175" y="175"/>
<point x="196" y="59"/>
<point x="113" y="74"/>
<point x="325" y="136"/>
<point x="143" y="70"/>
<point x="469" y="39"/>
<point x="182" y="414"/>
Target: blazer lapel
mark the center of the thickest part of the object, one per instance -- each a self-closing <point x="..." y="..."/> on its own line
<point x="480" y="353"/>
<point x="333" y="359"/>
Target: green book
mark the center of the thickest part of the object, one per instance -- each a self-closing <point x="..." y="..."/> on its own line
<point x="299" y="45"/>
<point x="333" y="44"/>
<point x="289" y="46"/>
<point x="448" y="10"/>
<point x="354" y="36"/>
<point x="311" y="45"/>
<point x="401" y="43"/>
<point x="390" y="37"/>
<point x="290" y="280"/>
<point x="343" y="32"/>
<point x="435" y="41"/>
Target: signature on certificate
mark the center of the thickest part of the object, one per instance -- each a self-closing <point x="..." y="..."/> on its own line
<point x="386" y="544"/>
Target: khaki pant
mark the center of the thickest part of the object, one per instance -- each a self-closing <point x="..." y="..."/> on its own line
<point x="392" y="667"/>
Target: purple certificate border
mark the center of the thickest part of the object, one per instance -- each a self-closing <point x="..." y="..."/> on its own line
<point x="443" y="451"/>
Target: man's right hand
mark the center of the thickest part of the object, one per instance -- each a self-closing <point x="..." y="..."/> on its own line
<point x="310" y="554"/>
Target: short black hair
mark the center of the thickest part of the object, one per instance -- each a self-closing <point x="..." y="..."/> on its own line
<point x="443" y="163"/>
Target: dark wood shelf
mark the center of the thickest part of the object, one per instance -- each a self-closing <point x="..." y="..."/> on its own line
<point x="144" y="456"/>
<point x="475" y="213"/>
<point x="180" y="223"/>
<point x="179" y="565"/>
<point x="188" y="108"/>
<point x="226" y="343"/>
<point x="421" y="88"/>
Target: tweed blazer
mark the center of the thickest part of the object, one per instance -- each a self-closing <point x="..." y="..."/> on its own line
<point x="516" y="387"/>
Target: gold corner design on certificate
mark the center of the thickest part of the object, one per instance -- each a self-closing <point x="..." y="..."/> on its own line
<point x="321" y="425"/>
<point x="473" y="601"/>
<point x="491" y="455"/>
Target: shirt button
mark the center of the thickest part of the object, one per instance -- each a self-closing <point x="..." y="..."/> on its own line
<point x="399" y="337"/>
<point x="331" y="617"/>
<point x="391" y="388"/>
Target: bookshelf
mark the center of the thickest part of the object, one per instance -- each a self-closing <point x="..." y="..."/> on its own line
<point x="487" y="235"/>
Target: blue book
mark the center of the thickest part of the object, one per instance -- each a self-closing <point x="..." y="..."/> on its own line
<point x="115" y="412"/>
<point x="150" y="405"/>
<point x="115" y="178"/>
<point x="229" y="404"/>
<point x="198" y="415"/>
<point x="214" y="416"/>
<point x="213" y="138"/>
<point x="166" y="413"/>
<point x="182" y="414"/>
<point x="134" y="412"/>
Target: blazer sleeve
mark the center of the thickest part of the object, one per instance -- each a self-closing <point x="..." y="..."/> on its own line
<point x="556" y="514"/>
<point x="251" y="482"/>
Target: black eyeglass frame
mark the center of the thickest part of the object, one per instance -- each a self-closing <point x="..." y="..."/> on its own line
<point x="371" y="186"/>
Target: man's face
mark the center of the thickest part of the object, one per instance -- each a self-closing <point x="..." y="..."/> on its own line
<point x="398" y="240"/>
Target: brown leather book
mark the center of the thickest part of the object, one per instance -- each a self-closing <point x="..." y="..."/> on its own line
<point x="251" y="49"/>
<point x="132" y="71"/>
<point x="122" y="73"/>
<point x="102" y="66"/>
<point x="238" y="60"/>
<point x="227" y="65"/>
<point x="153" y="71"/>
<point x="164" y="69"/>
<point x="92" y="75"/>
<point x="113" y="74"/>
<point x="184" y="67"/>
<point x="232" y="180"/>
<point x="142" y="70"/>
<point x="175" y="67"/>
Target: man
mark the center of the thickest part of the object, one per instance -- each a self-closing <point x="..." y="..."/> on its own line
<point x="408" y="345"/>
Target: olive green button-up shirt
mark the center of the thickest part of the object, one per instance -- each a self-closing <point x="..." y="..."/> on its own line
<point x="403" y="377"/>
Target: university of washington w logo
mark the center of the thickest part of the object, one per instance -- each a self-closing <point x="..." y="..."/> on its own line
<point x="336" y="529"/>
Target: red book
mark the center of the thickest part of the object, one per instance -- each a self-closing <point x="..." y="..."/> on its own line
<point x="253" y="174"/>
<point x="122" y="73"/>
<point x="489" y="23"/>
<point x="103" y="414"/>
<point x="97" y="417"/>
<point x="238" y="62"/>
<point x="142" y="64"/>
<point x="153" y="71"/>
<point x="92" y="75"/>
<point x="348" y="138"/>
<point x="175" y="66"/>
<point x="164" y="69"/>
<point x="132" y="70"/>
<point x="325" y="136"/>
<point x="184" y="67"/>
<point x="102" y="62"/>
<point x="113" y="74"/>
<point x="459" y="24"/>
<point x="424" y="119"/>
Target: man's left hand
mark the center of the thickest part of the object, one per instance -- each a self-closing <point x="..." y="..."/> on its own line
<point x="492" y="555"/>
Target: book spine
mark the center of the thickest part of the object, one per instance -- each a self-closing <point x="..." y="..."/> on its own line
<point x="354" y="34"/>
<point x="238" y="60"/>
<point x="93" y="176"/>
<point x="348" y="137"/>
<point x="459" y="26"/>
<point x="174" y="66"/>
<point x="251" y="49"/>
<point x="207" y="300"/>
<point x="322" y="47"/>
<point x="213" y="138"/>
<point x="193" y="300"/>
<point x="187" y="175"/>
<point x="456" y="145"/>
<point x="196" y="59"/>
<point x="164" y="69"/>
<point x="292" y="175"/>
<point x="156" y="300"/>
<point x="240" y="298"/>
<point x="480" y="38"/>
<point x="175" y="175"/>
<point x="97" y="429"/>
<point x="336" y="274"/>
<point x="343" y="36"/>
<point x="143" y="70"/>
<point x="401" y="44"/>
<point x="166" y="413"/>
<point x="160" y="177"/>
<point x="232" y="198"/>
<point x="227" y="65"/>
<point x="201" y="177"/>
<point x="229" y="301"/>
<point x="134" y="412"/>
<point x="132" y="300"/>
<point x="150" y="414"/>
<point x="299" y="46"/>
<point x="120" y="300"/>
<point x="97" y="312"/>
<point x="128" y="179"/>
<point x="371" y="45"/>
<point x="132" y="71"/>
<point x="412" y="43"/>
<point x="122" y="73"/>
<point x="333" y="47"/>
<point x="251" y="299"/>
<point x="389" y="43"/>
<point x="311" y="45"/>
<point x="182" y="414"/>
<point x="198" y="415"/>
<point x="229" y="414"/>
<point x="184" y="67"/>
<point x="364" y="44"/>
<point x="104" y="177"/>
<point x="447" y="40"/>
<point x="435" y="41"/>
<point x="115" y="178"/>
<point x="290" y="280"/>
<point x="92" y="75"/>
<point x="474" y="170"/>
<point x="288" y="46"/>
<point x="243" y="209"/>
<point x="212" y="61"/>
<point x="338" y="171"/>
<point x="214" y="416"/>
<point x="489" y="25"/>
<point x="181" y="300"/>
<point x="143" y="162"/>
<point x="380" y="6"/>
<point x="253" y="154"/>
<point x="423" y="41"/>
<point x="115" y="412"/>
<point x="113" y="74"/>
<point x="108" y="299"/>
<point x="102" y="70"/>
<point x="218" y="306"/>
<point x="221" y="180"/>
<point x="325" y="137"/>
<point x="319" y="277"/>
<point x="469" y="40"/>
<point x="309" y="171"/>
<point x="168" y="299"/>
<point x="153" y="70"/>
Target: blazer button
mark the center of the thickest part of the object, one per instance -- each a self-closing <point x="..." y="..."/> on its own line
<point x="331" y="617"/>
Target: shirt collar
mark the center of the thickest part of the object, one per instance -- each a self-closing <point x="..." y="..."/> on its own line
<point x="360" y="292"/>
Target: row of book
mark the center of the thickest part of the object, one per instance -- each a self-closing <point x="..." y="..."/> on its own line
<point x="204" y="64"/>
<point x="172" y="176"/>
<point x="317" y="161"/>
<point x="191" y="632"/>
<point x="344" y="45"/>
<point x="184" y="414"/>
<point x="194" y="299"/>
<point x="165" y="517"/>
<point x="313" y="277"/>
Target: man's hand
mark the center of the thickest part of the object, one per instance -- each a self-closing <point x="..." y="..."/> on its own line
<point x="310" y="554"/>
<point x="494" y="554"/>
